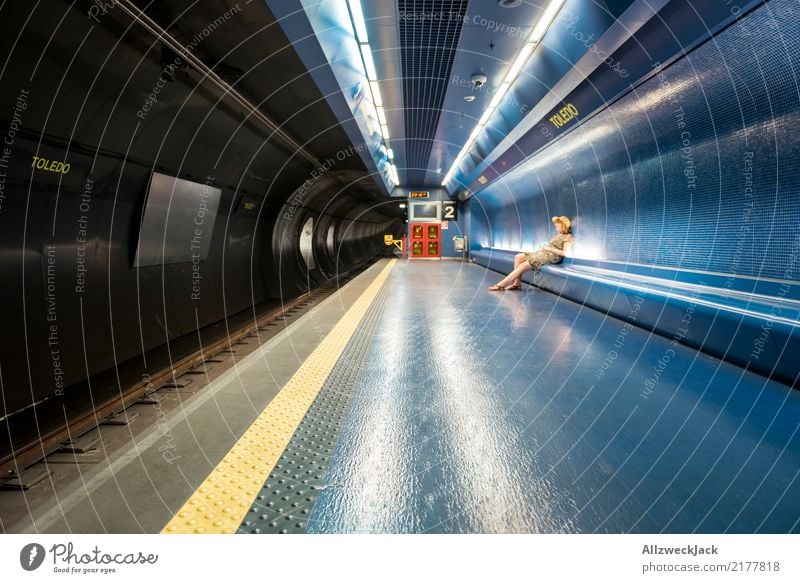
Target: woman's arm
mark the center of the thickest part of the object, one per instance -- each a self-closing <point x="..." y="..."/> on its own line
<point x="567" y="246"/>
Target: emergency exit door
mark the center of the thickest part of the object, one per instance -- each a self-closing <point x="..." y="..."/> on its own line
<point x="425" y="240"/>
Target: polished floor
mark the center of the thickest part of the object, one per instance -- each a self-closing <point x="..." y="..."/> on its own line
<point x="450" y="409"/>
<point x="523" y="412"/>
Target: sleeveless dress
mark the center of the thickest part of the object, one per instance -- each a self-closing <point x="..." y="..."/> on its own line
<point x="541" y="257"/>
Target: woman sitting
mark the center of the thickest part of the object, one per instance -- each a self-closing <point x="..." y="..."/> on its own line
<point x="553" y="252"/>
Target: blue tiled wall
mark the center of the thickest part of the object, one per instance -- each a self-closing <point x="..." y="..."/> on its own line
<point x="697" y="168"/>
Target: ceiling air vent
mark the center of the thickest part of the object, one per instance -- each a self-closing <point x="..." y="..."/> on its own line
<point x="429" y="33"/>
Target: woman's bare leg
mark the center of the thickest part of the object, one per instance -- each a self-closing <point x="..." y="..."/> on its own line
<point x="519" y="259"/>
<point x="514" y="275"/>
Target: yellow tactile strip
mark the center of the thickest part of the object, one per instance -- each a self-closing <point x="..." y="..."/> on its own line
<point x="221" y="502"/>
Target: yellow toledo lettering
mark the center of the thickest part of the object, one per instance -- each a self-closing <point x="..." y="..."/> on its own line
<point x="564" y="115"/>
<point x="50" y="165"/>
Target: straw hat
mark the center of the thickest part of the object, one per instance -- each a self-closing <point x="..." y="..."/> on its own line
<point x="564" y="221"/>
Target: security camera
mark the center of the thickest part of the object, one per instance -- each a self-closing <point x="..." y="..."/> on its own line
<point x="478" y="80"/>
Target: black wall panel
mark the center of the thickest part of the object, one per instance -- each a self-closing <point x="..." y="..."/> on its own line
<point x="79" y="92"/>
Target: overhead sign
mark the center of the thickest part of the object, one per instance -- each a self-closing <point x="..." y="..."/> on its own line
<point x="449" y="210"/>
<point x="414" y="194"/>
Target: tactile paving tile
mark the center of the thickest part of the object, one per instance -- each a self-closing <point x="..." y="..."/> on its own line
<point x="221" y="502"/>
<point x="285" y="502"/>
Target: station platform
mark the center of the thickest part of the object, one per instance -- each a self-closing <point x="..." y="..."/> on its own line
<point x="415" y="401"/>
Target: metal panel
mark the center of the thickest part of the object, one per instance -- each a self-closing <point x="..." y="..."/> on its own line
<point x="178" y="221"/>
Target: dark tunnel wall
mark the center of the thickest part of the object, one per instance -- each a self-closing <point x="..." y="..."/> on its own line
<point x="75" y="91"/>
<point x="696" y="168"/>
<point x="90" y="115"/>
<point x="339" y="202"/>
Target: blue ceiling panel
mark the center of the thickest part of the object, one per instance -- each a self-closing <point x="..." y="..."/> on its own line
<point x="427" y="52"/>
<point x="491" y="38"/>
<point x="579" y="26"/>
<point x="429" y="34"/>
<point x="679" y="27"/>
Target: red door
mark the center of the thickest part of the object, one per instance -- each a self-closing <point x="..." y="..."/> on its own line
<point x="425" y="240"/>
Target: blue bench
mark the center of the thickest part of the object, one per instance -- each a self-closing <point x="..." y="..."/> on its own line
<point x="753" y="322"/>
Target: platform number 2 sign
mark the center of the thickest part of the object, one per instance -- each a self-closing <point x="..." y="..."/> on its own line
<point x="449" y="210"/>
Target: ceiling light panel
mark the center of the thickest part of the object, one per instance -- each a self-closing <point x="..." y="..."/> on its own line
<point x="539" y="29"/>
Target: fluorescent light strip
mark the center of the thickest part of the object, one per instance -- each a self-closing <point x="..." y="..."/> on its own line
<point x="541" y="26"/>
<point x="376" y="94"/>
<point x="499" y="94"/>
<point x="360" y="26"/>
<point x="475" y="132"/>
<point x="358" y="20"/>
<point x="544" y="22"/>
<point x="393" y="174"/>
<point x="486" y="115"/>
<point x="523" y="55"/>
<point x="366" y="52"/>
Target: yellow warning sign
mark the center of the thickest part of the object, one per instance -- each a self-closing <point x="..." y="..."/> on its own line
<point x="390" y="240"/>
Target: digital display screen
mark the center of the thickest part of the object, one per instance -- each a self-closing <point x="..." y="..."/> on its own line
<point x="177" y="222"/>
<point x="427" y="210"/>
